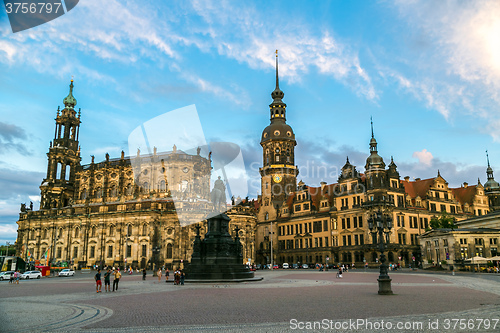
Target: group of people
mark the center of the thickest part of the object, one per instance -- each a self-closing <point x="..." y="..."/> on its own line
<point x="15" y="277"/>
<point x="179" y="276"/>
<point x="107" y="279"/>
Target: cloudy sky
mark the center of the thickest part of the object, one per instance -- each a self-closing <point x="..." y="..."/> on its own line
<point x="427" y="71"/>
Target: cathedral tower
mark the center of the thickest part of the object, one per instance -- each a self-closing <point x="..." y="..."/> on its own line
<point x="63" y="157"/>
<point x="278" y="173"/>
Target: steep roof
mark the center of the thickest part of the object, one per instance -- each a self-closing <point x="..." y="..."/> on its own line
<point x="465" y="194"/>
<point x="418" y="187"/>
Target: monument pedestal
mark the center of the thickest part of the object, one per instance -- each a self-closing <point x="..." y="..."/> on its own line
<point x="218" y="257"/>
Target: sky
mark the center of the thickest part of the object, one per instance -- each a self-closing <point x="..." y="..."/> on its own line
<point x="428" y="73"/>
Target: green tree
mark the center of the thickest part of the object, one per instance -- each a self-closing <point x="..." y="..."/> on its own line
<point x="445" y="221"/>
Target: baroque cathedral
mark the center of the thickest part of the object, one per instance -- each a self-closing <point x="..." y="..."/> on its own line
<point x="121" y="212"/>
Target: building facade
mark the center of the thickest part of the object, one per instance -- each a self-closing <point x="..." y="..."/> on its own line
<point x="328" y="224"/>
<point x="120" y="211"/>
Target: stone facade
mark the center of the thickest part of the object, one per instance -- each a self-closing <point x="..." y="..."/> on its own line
<point x="304" y="224"/>
<point x="120" y="211"/>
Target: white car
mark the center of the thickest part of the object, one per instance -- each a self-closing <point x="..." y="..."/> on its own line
<point x="5" y="275"/>
<point x="286" y="266"/>
<point x="67" y="272"/>
<point x="31" y="275"/>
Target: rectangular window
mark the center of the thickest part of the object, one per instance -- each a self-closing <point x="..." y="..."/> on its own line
<point x="344" y="240"/>
<point x="343" y="223"/>
<point x="129" y="251"/>
<point x="92" y="251"/>
<point x="355" y="221"/>
<point x="360" y="221"/>
<point x="452" y="209"/>
<point x="348" y="223"/>
<point x="297" y="208"/>
<point x="361" y="239"/>
<point x="306" y="206"/>
<point x="356" y="240"/>
<point x="75" y="252"/>
<point x="349" y="240"/>
<point x="110" y="251"/>
<point x="320" y="242"/>
<point x="433" y="207"/>
<point x="325" y="225"/>
<point x="443" y="208"/>
<point x="300" y="228"/>
<point x="58" y="252"/>
<point x="326" y="241"/>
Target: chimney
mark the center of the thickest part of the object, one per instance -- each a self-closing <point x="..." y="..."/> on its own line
<point x="407" y="178"/>
<point x="466" y="184"/>
<point x="417" y="179"/>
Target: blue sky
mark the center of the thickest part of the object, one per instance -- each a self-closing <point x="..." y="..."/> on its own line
<point x="428" y="72"/>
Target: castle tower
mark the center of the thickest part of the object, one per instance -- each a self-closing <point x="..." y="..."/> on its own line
<point x="492" y="188"/>
<point x="278" y="173"/>
<point x="57" y="188"/>
<point x="376" y="176"/>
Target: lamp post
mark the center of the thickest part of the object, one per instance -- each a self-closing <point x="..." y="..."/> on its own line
<point x="156" y="250"/>
<point x="381" y="224"/>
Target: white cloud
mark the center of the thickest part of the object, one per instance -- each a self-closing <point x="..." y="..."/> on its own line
<point x="460" y="71"/>
<point x="424" y="157"/>
<point x="248" y="36"/>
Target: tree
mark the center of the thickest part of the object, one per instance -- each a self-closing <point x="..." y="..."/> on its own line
<point x="445" y="221"/>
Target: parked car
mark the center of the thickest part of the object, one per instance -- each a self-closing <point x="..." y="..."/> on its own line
<point x="285" y="265"/>
<point x="259" y="266"/>
<point x="31" y="275"/>
<point x="5" y="275"/>
<point x="295" y="266"/>
<point x="276" y="266"/>
<point x="305" y="266"/>
<point x="67" y="272"/>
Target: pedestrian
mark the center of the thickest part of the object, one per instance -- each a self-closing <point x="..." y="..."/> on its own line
<point x="11" y="280"/>
<point x="339" y="273"/>
<point x="167" y="273"/>
<point x="182" y="277"/>
<point x="107" y="280"/>
<point x="159" y="274"/>
<point x="117" y="275"/>
<point x="144" y="274"/>
<point x="98" y="283"/>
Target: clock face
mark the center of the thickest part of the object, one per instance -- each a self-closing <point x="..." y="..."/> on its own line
<point x="277" y="178"/>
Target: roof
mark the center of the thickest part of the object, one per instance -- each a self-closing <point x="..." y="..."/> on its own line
<point x="465" y="194"/>
<point x="418" y="187"/>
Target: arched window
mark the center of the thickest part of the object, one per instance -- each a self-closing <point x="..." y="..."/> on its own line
<point x="98" y="193"/>
<point x="111" y="230"/>
<point x="163" y="187"/>
<point x="44" y="233"/>
<point x="83" y="194"/>
<point x="129" y="230"/>
<point x="145" y="187"/>
<point x="129" y="189"/>
<point x="169" y="251"/>
<point x="77" y="232"/>
<point x="92" y="231"/>
<point x="144" y="229"/>
<point x="59" y="234"/>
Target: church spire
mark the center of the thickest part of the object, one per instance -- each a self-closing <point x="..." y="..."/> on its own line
<point x="489" y="170"/>
<point x="373" y="142"/>
<point x="277" y="107"/>
<point x="70" y="101"/>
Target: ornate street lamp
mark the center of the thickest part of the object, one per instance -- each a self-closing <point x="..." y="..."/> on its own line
<point x="156" y="251"/>
<point x="381" y="224"/>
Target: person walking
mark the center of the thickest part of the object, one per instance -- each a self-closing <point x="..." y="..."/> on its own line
<point x="339" y="273"/>
<point x="159" y="275"/>
<point x="11" y="279"/>
<point x="167" y="273"/>
<point x="144" y="274"/>
<point x="107" y="280"/>
<point x="98" y="282"/>
<point x="182" y="277"/>
<point x="117" y="275"/>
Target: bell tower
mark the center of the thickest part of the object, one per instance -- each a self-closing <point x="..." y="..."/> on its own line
<point x="278" y="173"/>
<point x="57" y="188"/>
